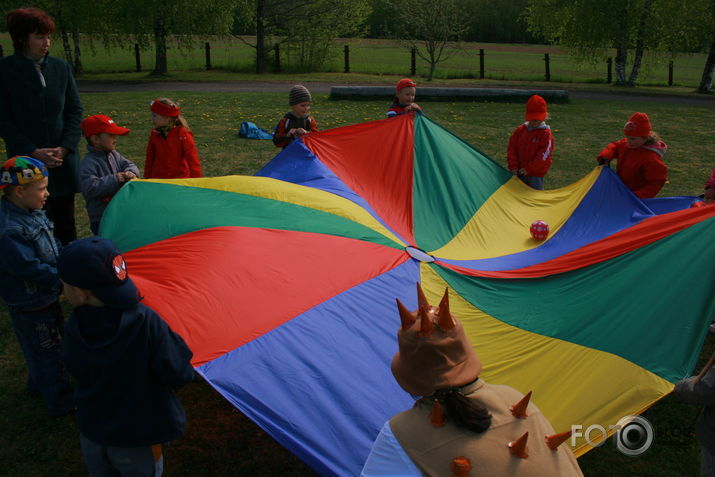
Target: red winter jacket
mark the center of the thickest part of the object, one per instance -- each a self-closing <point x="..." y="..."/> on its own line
<point x="641" y="169"/>
<point x="530" y="149"/>
<point x="710" y="184"/>
<point x="173" y="156"/>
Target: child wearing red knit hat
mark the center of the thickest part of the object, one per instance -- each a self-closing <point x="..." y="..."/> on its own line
<point x="640" y="165"/>
<point x="531" y="145"/>
<point x="404" y="100"/>
<point x="171" y="152"/>
<point x="709" y="195"/>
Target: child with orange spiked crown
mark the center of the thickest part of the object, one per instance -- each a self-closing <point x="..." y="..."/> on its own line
<point x="461" y="422"/>
<point x="640" y="165"/>
<point x="531" y="145"/>
<point x="404" y="100"/>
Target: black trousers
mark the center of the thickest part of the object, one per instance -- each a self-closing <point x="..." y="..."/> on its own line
<point x="60" y="210"/>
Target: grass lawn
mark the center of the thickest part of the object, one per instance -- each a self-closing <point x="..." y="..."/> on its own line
<point x="520" y="62"/>
<point x="219" y="440"/>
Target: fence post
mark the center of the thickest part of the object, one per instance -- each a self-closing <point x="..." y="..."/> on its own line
<point x="609" y="63"/>
<point x="670" y="73"/>
<point x="481" y="63"/>
<point x="548" y="67"/>
<point x="207" y="46"/>
<point x="413" y="63"/>
<point x="277" y="57"/>
<point x="137" y="57"/>
<point x="346" y="54"/>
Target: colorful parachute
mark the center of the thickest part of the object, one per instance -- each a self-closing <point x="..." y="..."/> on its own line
<point x="284" y="285"/>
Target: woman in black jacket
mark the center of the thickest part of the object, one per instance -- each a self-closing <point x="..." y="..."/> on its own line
<point x="40" y="112"/>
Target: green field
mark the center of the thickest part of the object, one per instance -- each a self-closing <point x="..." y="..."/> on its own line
<point x="219" y="440"/>
<point x="389" y="57"/>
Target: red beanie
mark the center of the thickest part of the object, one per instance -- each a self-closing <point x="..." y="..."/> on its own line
<point x="536" y="108"/>
<point x="637" y="126"/>
<point x="405" y="83"/>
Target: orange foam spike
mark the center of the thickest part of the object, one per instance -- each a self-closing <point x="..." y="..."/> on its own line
<point x="436" y="416"/>
<point x="518" y="447"/>
<point x="555" y="440"/>
<point x="460" y="466"/>
<point x="407" y="318"/>
<point x="421" y="298"/>
<point x="519" y="409"/>
<point x="445" y="318"/>
<point x="426" y="325"/>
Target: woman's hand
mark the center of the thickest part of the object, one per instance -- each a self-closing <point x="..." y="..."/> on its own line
<point x="51" y="156"/>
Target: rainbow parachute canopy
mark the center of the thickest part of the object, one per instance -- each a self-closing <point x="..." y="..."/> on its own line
<point x="284" y="285"/>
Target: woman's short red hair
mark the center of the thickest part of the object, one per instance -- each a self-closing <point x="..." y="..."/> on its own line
<point x="21" y="22"/>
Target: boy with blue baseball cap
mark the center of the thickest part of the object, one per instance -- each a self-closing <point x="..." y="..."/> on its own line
<point x="29" y="283"/>
<point x="126" y="360"/>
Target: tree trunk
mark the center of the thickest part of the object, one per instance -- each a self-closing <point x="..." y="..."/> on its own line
<point x="640" y="40"/>
<point x="78" y="69"/>
<point x="160" y="67"/>
<point x="260" y="37"/>
<point x="621" y="57"/>
<point x="706" y="82"/>
<point x="66" y="45"/>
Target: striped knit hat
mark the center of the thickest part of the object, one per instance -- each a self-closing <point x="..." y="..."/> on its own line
<point x="299" y="94"/>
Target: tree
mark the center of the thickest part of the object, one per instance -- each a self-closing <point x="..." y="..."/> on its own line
<point x="188" y="20"/>
<point x="430" y="26"/>
<point x="591" y="27"/>
<point x="693" y="30"/>
<point x="308" y="27"/>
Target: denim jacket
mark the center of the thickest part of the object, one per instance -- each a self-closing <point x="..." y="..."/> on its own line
<point x="28" y="258"/>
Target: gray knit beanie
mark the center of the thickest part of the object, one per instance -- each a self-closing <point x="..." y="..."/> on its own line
<point x="299" y="94"/>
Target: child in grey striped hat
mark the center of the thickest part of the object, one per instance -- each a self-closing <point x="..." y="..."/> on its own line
<point x="297" y="122"/>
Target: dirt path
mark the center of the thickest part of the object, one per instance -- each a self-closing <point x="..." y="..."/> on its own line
<point x="324" y="88"/>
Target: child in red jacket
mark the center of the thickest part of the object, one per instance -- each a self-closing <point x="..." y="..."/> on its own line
<point x="640" y="165"/>
<point x="171" y="152"/>
<point x="531" y="145"/>
<point x="709" y="195"/>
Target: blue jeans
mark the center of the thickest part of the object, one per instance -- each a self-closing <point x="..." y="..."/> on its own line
<point x="535" y="182"/>
<point x="40" y="336"/>
<point x="707" y="463"/>
<point x="110" y="461"/>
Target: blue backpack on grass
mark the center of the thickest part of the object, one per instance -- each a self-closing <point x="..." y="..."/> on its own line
<point x="251" y="131"/>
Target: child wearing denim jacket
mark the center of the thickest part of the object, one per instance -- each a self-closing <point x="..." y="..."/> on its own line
<point x="29" y="283"/>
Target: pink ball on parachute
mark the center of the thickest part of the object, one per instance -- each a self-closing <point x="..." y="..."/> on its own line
<point x="539" y="230"/>
<point x="697" y="204"/>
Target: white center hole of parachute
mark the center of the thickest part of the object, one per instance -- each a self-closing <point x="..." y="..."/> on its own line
<point x="418" y="254"/>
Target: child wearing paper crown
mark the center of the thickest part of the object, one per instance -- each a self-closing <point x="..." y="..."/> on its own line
<point x="640" y="164"/>
<point x="127" y="363"/>
<point x="103" y="170"/>
<point x="296" y="122"/>
<point x="29" y="283"/>
<point x="461" y="422"/>
<point x="531" y="145"/>
<point x="171" y="152"/>
<point x="404" y="100"/>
